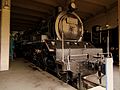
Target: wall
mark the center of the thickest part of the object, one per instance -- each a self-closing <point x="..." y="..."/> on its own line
<point x="111" y="18"/>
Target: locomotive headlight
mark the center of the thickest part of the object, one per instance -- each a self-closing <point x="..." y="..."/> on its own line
<point x="73" y="5"/>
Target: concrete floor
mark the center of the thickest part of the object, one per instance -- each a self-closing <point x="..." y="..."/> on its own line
<point x="22" y="77"/>
<point x="116" y="78"/>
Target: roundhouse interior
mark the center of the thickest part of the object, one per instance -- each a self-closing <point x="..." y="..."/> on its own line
<point x="39" y="37"/>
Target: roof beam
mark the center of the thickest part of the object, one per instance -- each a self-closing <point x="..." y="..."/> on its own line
<point x="20" y="25"/>
<point x="17" y="28"/>
<point x="84" y="12"/>
<point x="95" y="3"/>
<point x="25" y="19"/>
<point x="52" y="3"/>
<point x="105" y="10"/>
<point x="20" y="21"/>
<point x="32" y="6"/>
<point x="81" y="8"/>
<point x="30" y="12"/>
<point x="21" y="15"/>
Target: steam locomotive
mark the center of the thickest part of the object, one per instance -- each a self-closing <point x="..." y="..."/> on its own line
<point x="66" y="55"/>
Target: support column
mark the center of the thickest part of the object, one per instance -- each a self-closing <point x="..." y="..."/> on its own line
<point x="119" y="27"/>
<point x="4" y="35"/>
<point x="109" y="73"/>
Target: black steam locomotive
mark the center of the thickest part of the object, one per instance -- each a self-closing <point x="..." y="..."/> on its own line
<point x="66" y="54"/>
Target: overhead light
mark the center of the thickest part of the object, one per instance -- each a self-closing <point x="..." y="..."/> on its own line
<point x="107" y="26"/>
<point x="73" y="5"/>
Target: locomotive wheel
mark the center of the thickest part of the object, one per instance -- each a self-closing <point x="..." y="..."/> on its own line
<point x="44" y="64"/>
<point x="68" y="78"/>
<point x="58" y="72"/>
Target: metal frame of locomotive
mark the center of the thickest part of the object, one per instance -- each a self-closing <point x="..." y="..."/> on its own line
<point x="67" y="55"/>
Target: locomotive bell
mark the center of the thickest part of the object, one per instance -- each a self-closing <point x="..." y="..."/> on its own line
<point x="70" y="25"/>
